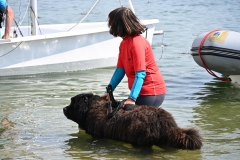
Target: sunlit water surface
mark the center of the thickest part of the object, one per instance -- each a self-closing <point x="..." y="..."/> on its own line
<point x="34" y="127"/>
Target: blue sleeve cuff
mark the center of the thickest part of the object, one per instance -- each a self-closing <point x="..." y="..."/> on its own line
<point x="3" y="5"/>
<point x="137" y="85"/>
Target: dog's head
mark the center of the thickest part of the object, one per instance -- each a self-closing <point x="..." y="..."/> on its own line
<point x="79" y="107"/>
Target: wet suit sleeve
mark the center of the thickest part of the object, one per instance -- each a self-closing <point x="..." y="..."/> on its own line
<point x="117" y="77"/>
<point x="3" y="5"/>
<point x="137" y="85"/>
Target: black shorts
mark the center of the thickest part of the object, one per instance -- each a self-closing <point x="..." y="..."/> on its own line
<point x="154" y="101"/>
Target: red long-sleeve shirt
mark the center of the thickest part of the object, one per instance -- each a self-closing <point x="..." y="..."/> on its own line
<point x="136" y="55"/>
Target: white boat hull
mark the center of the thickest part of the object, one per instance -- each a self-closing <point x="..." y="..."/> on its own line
<point x="85" y="47"/>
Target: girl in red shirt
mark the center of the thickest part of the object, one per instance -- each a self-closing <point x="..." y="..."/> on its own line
<point x="136" y="60"/>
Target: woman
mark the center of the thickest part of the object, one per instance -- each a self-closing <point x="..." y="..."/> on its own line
<point x="136" y="60"/>
<point x="4" y="8"/>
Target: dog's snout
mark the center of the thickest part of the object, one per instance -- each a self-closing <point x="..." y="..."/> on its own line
<point x="64" y="109"/>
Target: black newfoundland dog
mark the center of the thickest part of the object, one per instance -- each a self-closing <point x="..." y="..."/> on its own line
<point x="142" y="125"/>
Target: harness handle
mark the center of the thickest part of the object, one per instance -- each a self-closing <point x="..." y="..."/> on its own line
<point x="110" y="92"/>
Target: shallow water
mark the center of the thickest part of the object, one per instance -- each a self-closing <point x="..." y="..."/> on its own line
<point x="34" y="127"/>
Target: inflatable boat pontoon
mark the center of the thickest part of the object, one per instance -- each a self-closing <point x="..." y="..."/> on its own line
<point x="219" y="51"/>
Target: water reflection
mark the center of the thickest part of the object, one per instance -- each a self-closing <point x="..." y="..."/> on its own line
<point x="218" y="115"/>
<point x="217" y="90"/>
<point x="85" y="146"/>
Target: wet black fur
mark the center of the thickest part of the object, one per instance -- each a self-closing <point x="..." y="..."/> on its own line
<point x="143" y="125"/>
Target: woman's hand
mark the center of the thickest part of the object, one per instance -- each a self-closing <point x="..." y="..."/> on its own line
<point x="105" y="96"/>
<point x="128" y="101"/>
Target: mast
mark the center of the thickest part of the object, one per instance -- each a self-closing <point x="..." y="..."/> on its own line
<point x="131" y="6"/>
<point x="33" y="15"/>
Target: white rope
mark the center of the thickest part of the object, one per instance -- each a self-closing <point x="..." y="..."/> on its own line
<point x="13" y="2"/>
<point x="120" y="3"/>
<point x="19" y="24"/>
<point x="86" y="14"/>
<point x="131" y="6"/>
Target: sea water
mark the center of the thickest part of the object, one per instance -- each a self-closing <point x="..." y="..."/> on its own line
<point x="34" y="127"/>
